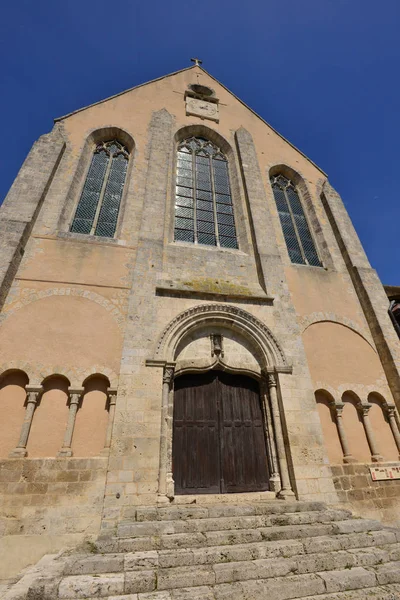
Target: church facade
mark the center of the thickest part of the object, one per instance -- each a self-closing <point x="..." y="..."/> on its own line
<point x="187" y="311"/>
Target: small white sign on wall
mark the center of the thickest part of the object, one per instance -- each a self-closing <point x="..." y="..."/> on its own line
<point x="383" y="473"/>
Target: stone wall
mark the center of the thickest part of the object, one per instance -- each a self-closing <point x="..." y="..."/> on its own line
<point x="367" y="498"/>
<point x="47" y="504"/>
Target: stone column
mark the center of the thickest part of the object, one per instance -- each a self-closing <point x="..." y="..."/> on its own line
<point x="391" y="414"/>
<point x="274" y="479"/>
<point x="166" y="482"/>
<point x="286" y="488"/>
<point x="75" y="395"/>
<point x="338" y="411"/>
<point x="112" y="399"/>
<point x="32" y="396"/>
<point x="376" y="457"/>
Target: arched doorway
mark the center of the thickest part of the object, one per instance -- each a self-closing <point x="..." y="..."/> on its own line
<point x="218" y="441"/>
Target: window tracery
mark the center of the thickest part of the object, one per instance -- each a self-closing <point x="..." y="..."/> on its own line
<point x="299" y="242"/>
<point x="99" y="204"/>
<point x="203" y="201"/>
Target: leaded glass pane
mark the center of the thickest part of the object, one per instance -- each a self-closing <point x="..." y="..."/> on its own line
<point x="87" y="206"/>
<point x="225" y="208"/>
<point x="185" y="173"/>
<point x="226" y="219"/>
<point x="183" y="235"/>
<point x="204" y="195"/>
<point x="223" y="199"/>
<point x="180" y="201"/>
<point x="205" y="215"/>
<point x="280" y="199"/>
<point x="211" y="181"/>
<point x="228" y="242"/>
<point x="185" y="181"/>
<point x="182" y="191"/>
<point x="226" y="230"/>
<point x="207" y="239"/>
<point x="204" y="205"/>
<point x="181" y="211"/>
<point x="185" y="155"/>
<point x="205" y="226"/>
<point x="205" y="185"/>
<point x="182" y="223"/>
<point x="108" y="216"/>
<point x="291" y="238"/>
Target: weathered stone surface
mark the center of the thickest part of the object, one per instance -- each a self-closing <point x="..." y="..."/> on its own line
<point x="357" y="577"/>
<point x="79" y="586"/>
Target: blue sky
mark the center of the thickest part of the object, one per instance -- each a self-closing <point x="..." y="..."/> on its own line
<point x="324" y="73"/>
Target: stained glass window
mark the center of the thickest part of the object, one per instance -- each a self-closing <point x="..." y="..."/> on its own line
<point x="294" y="224"/>
<point x="98" y="207"/>
<point x="203" y="201"/>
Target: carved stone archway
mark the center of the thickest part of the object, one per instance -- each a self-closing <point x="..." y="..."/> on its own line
<point x="270" y="358"/>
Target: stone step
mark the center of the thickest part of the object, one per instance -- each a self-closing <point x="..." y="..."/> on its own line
<point x="389" y="592"/>
<point x="166" y="541"/>
<point x="355" y="543"/>
<point x="149" y="528"/>
<point x="194" y="511"/>
<point x="263" y="582"/>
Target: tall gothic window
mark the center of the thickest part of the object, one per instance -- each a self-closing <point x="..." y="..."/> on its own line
<point x="98" y="207"/>
<point x="295" y="228"/>
<point x="203" y="202"/>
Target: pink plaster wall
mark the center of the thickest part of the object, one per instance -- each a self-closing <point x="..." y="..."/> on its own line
<point x="12" y="410"/>
<point x="383" y="434"/>
<point x="49" y="420"/>
<point x="91" y="420"/>
<point x="329" y="429"/>
<point x="355" y="432"/>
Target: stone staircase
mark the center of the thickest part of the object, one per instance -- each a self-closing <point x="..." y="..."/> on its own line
<point x="272" y="550"/>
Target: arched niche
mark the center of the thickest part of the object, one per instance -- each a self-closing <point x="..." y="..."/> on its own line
<point x="50" y="418"/>
<point x="92" y="417"/>
<point x="380" y="425"/>
<point x="353" y="425"/>
<point x="12" y="408"/>
<point x="242" y="325"/>
<point x="196" y="352"/>
<point x="325" y="406"/>
<point x="245" y="346"/>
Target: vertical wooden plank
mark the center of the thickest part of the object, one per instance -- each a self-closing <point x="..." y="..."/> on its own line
<point x="195" y="445"/>
<point x="245" y="455"/>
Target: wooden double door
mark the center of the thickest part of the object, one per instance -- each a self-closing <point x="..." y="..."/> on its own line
<point x="218" y="435"/>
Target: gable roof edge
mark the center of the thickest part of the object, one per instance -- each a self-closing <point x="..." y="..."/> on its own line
<point x="219" y="83"/>
<point x="135" y="87"/>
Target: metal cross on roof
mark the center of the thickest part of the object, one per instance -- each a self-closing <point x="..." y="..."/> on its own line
<point x="197" y="62"/>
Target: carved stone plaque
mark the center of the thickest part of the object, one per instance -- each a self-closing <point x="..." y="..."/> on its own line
<point x="202" y="108"/>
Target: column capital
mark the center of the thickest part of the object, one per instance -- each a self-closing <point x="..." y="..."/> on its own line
<point x="168" y="374"/>
<point x="390" y="409"/>
<point x="75" y="394"/>
<point x="338" y="408"/>
<point x="272" y="380"/>
<point x="364" y="408"/>
<point x="112" y="395"/>
<point x="32" y="393"/>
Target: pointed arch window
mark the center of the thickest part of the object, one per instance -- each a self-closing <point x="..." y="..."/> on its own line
<point x="296" y="231"/>
<point x="203" y="201"/>
<point x="99" y="204"/>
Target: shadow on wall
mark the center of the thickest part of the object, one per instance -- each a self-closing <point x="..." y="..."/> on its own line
<point x="52" y="419"/>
